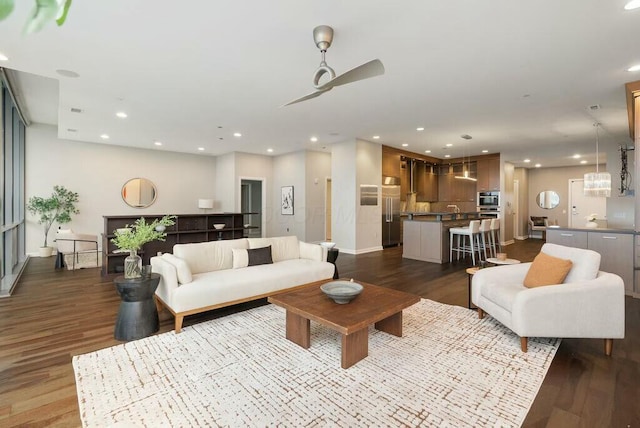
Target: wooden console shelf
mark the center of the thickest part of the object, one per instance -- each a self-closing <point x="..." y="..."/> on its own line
<point x="189" y="228"/>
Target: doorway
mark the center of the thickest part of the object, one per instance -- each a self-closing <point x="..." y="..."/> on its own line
<point x="581" y="206"/>
<point x="251" y="200"/>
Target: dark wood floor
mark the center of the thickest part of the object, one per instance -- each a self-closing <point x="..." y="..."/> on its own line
<point x="54" y="315"/>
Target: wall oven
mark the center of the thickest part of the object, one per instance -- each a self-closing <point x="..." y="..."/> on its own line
<point x="489" y="199"/>
<point x="489" y="212"/>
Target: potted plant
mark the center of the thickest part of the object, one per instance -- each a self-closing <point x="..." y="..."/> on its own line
<point x="132" y="237"/>
<point x="56" y="208"/>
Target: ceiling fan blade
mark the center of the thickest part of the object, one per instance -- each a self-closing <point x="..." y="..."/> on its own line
<point x="307" y="97"/>
<point x="368" y="69"/>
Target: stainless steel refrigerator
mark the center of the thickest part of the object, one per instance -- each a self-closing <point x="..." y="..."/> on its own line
<point x="390" y="211"/>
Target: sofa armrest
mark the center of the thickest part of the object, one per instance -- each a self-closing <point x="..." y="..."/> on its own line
<point x="513" y="274"/>
<point x="593" y="308"/>
<point x="168" y="278"/>
<point x="312" y="252"/>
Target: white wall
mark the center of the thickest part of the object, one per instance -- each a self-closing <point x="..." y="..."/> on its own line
<point x="289" y="170"/>
<point x="225" y="191"/>
<point x="318" y="169"/>
<point x="369" y="217"/>
<point x="97" y="173"/>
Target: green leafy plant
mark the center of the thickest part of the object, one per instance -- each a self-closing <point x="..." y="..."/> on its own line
<point x="44" y="12"/>
<point x="57" y="208"/>
<point x="133" y="237"/>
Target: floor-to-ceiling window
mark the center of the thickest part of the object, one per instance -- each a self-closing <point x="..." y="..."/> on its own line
<point x="12" y="167"/>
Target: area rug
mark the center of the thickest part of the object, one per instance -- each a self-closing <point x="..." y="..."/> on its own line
<point x="448" y="369"/>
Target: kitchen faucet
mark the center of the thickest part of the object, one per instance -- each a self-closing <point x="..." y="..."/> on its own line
<point x="456" y="209"/>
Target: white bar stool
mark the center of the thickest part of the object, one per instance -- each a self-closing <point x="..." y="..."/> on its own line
<point x="495" y="236"/>
<point x="485" y="233"/>
<point x="473" y="233"/>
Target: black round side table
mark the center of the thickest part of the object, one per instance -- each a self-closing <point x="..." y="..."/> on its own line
<point x="137" y="316"/>
<point x="332" y="256"/>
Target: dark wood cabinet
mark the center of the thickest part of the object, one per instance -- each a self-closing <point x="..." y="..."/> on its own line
<point x="451" y="189"/>
<point x="488" y="174"/>
<point x="426" y="182"/>
<point x="189" y="228"/>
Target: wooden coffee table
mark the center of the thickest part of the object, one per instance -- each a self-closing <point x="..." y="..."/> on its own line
<point x="375" y="305"/>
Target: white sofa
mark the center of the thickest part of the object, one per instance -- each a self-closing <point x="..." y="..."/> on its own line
<point x="588" y="304"/>
<point x="204" y="276"/>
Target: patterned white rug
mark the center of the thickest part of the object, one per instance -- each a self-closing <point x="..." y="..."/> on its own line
<point x="449" y="369"/>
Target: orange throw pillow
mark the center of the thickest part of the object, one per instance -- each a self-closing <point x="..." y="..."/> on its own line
<point x="547" y="270"/>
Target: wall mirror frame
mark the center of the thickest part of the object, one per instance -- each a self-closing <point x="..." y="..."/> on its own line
<point x="548" y="199"/>
<point x="139" y="193"/>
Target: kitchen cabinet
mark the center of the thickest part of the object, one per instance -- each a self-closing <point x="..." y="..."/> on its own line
<point x="616" y="249"/>
<point x="451" y="189"/>
<point x="488" y="174"/>
<point x="426" y="182"/>
<point x="390" y="163"/>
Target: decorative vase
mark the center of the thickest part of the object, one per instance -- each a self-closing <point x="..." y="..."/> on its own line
<point x="161" y="228"/>
<point x="591" y="224"/>
<point x="133" y="265"/>
<point x="45" y="251"/>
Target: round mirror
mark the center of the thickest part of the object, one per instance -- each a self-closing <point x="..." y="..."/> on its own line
<point x="548" y="199"/>
<point x="139" y="193"/>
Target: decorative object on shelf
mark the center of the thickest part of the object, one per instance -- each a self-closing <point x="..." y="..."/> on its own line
<point x="591" y="221"/>
<point x="286" y="200"/>
<point x="139" y="193"/>
<point x="56" y="208"/>
<point x="205" y="204"/>
<point x="247" y="225"/>
<point x="328" y="244"/>
<point x="218" y="226"/>
<point x="341" y="292"/>
<point x="161" y="228"/>
<point x="134" y="236"/>
<point x="597" y="183"/>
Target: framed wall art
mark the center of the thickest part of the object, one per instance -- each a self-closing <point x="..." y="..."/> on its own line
<point x="286" y="200"/>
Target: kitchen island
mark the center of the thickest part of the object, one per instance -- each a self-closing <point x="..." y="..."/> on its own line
<point x="426" y="234"/>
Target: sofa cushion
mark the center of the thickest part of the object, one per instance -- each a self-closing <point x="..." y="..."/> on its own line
<point x="538" y="221"/>
<point x="209" y="256"/>
<point x="502" y="294"/>
<point x="282" y="247"/>
<point x="182" y="268"/>
<point x="586" y="263"/>
<point x="547" y="270"/>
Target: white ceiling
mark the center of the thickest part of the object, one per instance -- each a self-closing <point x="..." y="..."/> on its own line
<point x="517" y="76"/>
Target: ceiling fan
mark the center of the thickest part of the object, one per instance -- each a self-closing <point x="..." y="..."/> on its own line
<point x="323" y="36"/>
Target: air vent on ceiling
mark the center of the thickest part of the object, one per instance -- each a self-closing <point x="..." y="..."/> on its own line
<point x="466" y="136"/>
<point x="594" y="107"/>
<point x="72" y="130"/>
<point x="76" y="110"/>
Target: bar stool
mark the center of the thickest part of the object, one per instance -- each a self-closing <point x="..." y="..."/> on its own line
<point x="473" y="233"/>
<point x="485" y="233"/>
<point x="495" y="236"/>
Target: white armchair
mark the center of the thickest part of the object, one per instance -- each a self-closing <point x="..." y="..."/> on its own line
<point x="538" y="224"/>
<point x="588" y="304"/>
<point x="71" y="245"/>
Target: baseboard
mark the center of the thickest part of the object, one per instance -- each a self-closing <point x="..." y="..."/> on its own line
<point x="509" y="242"/>
<point x="521" y="237"/>
<point x="361" y="251"/>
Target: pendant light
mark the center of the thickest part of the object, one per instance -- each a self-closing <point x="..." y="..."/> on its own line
<point x="597" y="183"/>
<point x="465" y="172"/>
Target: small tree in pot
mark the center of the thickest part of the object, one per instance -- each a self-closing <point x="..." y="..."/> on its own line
<point x="57" y="208"/>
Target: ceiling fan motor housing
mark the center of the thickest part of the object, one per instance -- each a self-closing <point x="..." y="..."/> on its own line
<point x="323" y="36"/>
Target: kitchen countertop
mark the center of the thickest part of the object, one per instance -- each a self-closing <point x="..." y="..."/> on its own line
<point x="440" y="216"/>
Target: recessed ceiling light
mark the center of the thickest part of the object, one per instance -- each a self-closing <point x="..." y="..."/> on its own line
<point x="3" y="57"/>
<point x="237" y="134"/>
<point x="376" y="137"/>
<point x="427" y="151"/>
<point x="527" y="160"/>
<point x="314" y="139"/>
<point x="447" y="156"/>
<point x="121" y="114"/>
<point x="485" y="151"/>
<point x="633" y="4"/>
<point x="201" y="149"/>
<point x="270" y="150"/>
<point x="75" y="110"/>
<point x="576" y="156"/>
<point x="420" y="129"/>
<point x="634" y="68"/>
<point x="104" y="136"/>
<point x="67" y="73"/>
<point x="583" y="161"/>
<point x="538" y="165"/>
<point x="157" y="143"/>
<point x="405" y="145"/>
<point x="449" y="145"/>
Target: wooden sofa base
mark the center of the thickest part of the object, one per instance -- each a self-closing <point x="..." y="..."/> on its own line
<point x="608" y="343"/>
<point x="179" y="316"/>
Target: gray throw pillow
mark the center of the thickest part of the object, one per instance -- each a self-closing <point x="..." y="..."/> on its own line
<point x="259" y="256"/>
